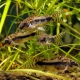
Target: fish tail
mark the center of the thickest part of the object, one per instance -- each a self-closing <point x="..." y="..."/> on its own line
<point x="57" y="16"/>
<point x="57" y="39"/>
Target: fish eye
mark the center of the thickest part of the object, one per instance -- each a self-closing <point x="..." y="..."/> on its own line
<point x="7" y="41"/>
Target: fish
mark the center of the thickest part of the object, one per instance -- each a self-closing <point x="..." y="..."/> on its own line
<point x="17" y="38"/>
<point x="60" y="63"/>
<point x="49" y="39"/>
<point x="33" y="22"/>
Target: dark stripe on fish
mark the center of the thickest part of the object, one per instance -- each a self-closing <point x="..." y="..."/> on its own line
<point x="51" y="63"/>
<point x="42" y="20"/>
<point x="48" y="18"/>
<point x="51" y="39"/>
<point x="37" y="20"/>
<point x="25" y="36"/>
<point x="57" y="63"/>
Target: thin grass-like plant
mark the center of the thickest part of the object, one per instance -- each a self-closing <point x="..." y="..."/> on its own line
<point x="8" y="2"/>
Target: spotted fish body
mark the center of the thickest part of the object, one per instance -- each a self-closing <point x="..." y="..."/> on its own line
<point x="17" y="38"/>
<point x="37" y="21"/>
<point x="34" y="22"/>
<point x="48" y="39"/>
<point x="60" y="63"/>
